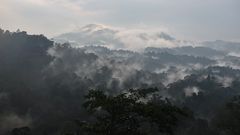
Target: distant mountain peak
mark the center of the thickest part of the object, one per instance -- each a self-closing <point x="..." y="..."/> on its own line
<point x="94" y="27"/>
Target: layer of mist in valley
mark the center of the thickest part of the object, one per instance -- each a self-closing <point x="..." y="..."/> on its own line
<point x="44" y="82"/>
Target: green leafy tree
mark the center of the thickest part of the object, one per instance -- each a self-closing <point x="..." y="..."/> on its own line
<point x="135" y="112"/>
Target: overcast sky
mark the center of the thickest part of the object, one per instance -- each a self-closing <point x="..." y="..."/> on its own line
<point x="187" y="19"/>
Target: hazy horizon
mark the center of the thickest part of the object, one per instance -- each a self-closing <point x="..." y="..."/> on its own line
<point x="187" y="19"/>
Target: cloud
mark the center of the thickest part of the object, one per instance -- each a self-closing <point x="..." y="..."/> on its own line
<point x="177" y="74"/>
<point x="225" y="81"/>
<point x="189" y="91"/>
<point x="142" y="38"/>
<point x="234" y="54"/>
<point x="119" y="37"/>
<point x="227" y="63"/>
<point x="11" y="120"/>
<point x="44" y="16"/>
<point x="188" y="18"/>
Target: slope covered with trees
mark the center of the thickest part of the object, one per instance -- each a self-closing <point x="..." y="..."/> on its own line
<point x="56" y="89"/>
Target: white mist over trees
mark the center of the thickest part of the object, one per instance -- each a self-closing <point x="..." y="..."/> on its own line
<point x="43" y="85"/>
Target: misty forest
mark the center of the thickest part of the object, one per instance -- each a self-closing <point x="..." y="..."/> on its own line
<point x="56" y="87"/>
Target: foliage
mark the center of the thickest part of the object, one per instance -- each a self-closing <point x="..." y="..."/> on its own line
<point x="228" y="119"/>
<point x="131" y="113"/>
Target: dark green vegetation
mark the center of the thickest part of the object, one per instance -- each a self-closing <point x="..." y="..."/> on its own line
<point x="132" y="113"/>
<point x="45" y="89"/>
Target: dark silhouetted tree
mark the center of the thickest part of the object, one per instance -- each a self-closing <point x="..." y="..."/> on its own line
<point x="21" y="131"/>
<point x="135" y="112"/>
<point x="228" y="119"/>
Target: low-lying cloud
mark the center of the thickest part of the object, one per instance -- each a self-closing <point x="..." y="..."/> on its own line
<point x="119" y="38"/>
